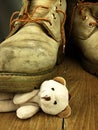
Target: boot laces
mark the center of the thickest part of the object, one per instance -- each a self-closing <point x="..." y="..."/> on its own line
<point x="84" y="17"/>
<point x="26" y="17"/>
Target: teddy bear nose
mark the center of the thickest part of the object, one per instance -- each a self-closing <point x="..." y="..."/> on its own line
<point x="47" y="98"/>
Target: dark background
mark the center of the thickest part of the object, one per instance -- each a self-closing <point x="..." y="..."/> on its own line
<point x="7" y="7"/>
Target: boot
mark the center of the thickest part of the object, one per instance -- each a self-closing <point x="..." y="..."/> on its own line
<point x="30" y="53"/>
<point x="84" y="33"/>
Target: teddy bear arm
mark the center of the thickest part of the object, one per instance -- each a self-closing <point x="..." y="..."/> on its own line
<point x="23" y="98"/>
<point x="25" y="112"/>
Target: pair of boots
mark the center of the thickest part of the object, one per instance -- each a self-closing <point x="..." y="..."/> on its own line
<point x="36" y="42"/>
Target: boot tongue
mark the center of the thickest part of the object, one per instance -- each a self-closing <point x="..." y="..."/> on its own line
<point x="50" y="14"/>
<point x="37" y="7"/>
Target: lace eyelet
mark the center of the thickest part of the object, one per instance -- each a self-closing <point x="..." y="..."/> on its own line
<point x="83" y="18"/>
<point x="55" y="8"/>
<point x="53" y="16"/>
<point x="91" y="25"/>
<point x="60" y="2"/>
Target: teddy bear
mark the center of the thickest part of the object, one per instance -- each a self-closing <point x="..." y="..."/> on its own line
<point x="52" y="98"/>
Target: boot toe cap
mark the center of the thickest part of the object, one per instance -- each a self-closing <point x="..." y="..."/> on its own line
<point x="27" y="59"/>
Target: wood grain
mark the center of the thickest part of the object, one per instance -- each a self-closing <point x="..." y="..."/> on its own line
<point x="83" y="88"/>
<point x="41" y="121"/>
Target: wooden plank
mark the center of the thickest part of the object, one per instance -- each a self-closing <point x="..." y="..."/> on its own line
<point x="84" y="98"/>
<point x="41" y="121"/>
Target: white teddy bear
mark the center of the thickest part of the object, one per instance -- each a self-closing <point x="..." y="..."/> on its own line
<point x="52" y="98"/>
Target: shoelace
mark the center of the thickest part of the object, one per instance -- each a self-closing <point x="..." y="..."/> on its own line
<point x="26" y="17"/>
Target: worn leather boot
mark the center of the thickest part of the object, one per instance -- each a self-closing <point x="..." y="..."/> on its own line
<point x="30" y="53"/>
<point x="84" y="32"/>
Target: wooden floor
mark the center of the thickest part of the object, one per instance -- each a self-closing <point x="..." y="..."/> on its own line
<point x="83" y="88"/>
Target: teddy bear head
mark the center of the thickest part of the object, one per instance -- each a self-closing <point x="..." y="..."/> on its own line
<point x="54" y="97"/>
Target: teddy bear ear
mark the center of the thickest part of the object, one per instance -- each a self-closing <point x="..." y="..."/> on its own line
<point x="65" y="113"/>
<point x="60" y="80"/>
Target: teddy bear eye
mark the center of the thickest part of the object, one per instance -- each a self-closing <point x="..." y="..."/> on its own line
<point x="52" y="89"/>
<point x="55" y="102"/>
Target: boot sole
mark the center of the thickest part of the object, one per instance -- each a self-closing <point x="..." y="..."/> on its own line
<point x="89" y="66"/>
<point x="15" y="82"/>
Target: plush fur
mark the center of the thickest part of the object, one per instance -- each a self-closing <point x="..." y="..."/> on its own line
<point x="52" y="98"/>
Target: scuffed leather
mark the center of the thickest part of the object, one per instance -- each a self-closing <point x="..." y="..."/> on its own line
<point x="31" y="49"/>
